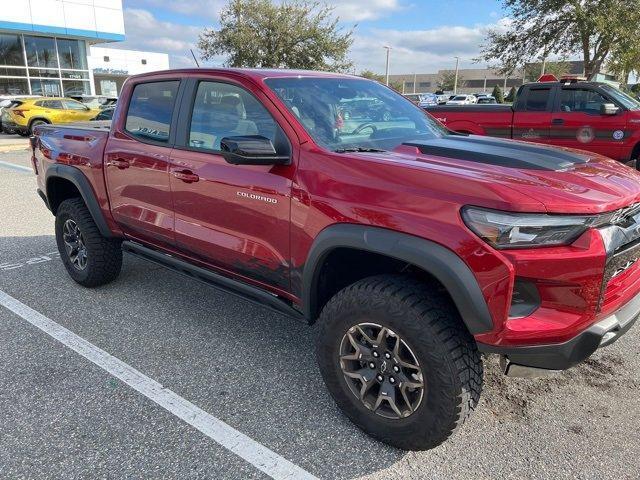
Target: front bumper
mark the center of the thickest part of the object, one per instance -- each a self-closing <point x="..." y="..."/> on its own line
<point x="564" y="355"/>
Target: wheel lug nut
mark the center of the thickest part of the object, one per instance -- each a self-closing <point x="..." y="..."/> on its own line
<point x="379" y="378"/>
<point x="392" y="380"/>
<point x="376" y="354"/>
<point x="372" y="365"/>
<point x="387" y="355"/>
<point x="396" y="368"/>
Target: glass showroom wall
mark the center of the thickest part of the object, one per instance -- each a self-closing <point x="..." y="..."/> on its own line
<point x="43" y="66"/>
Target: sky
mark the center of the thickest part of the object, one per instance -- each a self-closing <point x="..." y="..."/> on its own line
<point x="425" y="35"/>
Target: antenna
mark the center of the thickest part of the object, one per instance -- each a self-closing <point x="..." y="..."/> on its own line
<point x="194" y="57"/>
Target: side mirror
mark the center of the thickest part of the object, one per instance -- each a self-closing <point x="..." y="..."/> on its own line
<point x="609" y="109"/>
<point x="251" y="150"/>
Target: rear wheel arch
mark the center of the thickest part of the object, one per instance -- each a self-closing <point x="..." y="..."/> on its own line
<point x="37" y="119"/>
<point x="64" y="182"/>
<point x="436" y="261"/>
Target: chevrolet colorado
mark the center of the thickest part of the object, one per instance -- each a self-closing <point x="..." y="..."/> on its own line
<point x="411" y="248"/>
<point x="567" y="113"/>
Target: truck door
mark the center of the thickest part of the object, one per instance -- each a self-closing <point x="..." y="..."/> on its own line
<point x="137" y="162"/>
<point x="578" y="123"/>
<point x="233" y="217"/>
<point x="532" y="114"/>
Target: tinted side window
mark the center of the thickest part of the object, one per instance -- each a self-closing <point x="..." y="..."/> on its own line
<point x="150" y="110"/>
<point x="222" y="110"/>
<point x="56" y="104"/>
<point x="581" y="100"/>
<point x="537" y="100"/>
<point x="70" y="105"/>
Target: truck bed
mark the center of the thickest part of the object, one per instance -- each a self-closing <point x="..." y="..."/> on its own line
<point x="492" y="120"/>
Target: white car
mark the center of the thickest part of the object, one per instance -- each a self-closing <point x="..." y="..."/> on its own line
<point x="462" y="100"/>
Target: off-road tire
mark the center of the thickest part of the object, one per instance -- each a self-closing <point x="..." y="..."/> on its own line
<point x="425" y="316"/>
<point x="104" y="255"/>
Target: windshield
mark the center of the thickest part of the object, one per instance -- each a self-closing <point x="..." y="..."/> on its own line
<point x="460" y="98"/>
<point x="626" y="100"/>
<point x="343" y="114"/>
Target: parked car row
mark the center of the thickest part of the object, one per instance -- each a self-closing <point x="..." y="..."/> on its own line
<point x="424" y="100"/>
<point x="20" y="114"/>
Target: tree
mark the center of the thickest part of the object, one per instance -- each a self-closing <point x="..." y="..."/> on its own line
<point x="397" y="86"/>
<point x="295" y="34"/>
<point x="372" y="76"/>
<point x="497" y="94"/>
<point x="591" y="28"/>
<point x="447" y="80"/>
<point x="559" y="68"/>
<point x="511" y="95"/>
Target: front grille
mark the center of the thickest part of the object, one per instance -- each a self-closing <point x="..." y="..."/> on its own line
<point x="622" y="242"/>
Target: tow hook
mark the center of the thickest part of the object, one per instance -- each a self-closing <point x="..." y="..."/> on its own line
<point x="511" y="369"/>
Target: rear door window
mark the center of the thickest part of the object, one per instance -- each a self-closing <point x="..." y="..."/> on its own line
<point x="537" y="100"/>
<point x="151" y="109"/>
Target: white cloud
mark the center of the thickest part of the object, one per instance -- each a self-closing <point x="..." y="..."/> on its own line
<point x="145" y="32"/>
<point x="358" y="10"/>
<point x="421" y="51"/>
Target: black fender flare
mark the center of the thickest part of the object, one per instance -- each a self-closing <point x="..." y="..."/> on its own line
<point x="77" y="178"/>
<point x="447" y="267"/>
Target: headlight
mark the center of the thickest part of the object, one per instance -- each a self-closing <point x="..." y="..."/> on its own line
<point x="519" y="230"/>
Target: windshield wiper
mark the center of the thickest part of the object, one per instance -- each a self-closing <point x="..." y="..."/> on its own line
<point x="358" y="149"/>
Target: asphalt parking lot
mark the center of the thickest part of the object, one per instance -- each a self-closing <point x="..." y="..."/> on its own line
<point x="63" y="416"/>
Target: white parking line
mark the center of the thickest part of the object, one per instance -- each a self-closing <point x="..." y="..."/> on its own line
<point x="253" y="452"/>
<point x="13" y="166"/>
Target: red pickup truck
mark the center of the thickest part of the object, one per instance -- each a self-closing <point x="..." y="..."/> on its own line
<point x="412" y="249"/>
<point x="586" y="115"/>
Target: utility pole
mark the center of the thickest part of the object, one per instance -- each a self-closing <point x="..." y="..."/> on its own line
<point x="455" y="82"/>
<point x="484" y="88"/>
<point x="414" y="82"/>
<point x="388" y="48"/>
<point x="505" y="83"/>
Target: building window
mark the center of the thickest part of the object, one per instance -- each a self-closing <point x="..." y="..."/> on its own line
<point x="144" y="61"/>
<point x="75" y="88"/>
<point x="41" y="52"/>
<point x="14" y="86"/>
<point x="424" y="84"/>
<point x="48" y="88"/>
<point x="105" y="58"/>
<point x="11" y="50"/>
<point x="73" y="54"/>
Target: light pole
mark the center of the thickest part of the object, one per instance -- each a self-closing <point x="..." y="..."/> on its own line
<point x="388" y="48"/>
<point x="455" y="81"/>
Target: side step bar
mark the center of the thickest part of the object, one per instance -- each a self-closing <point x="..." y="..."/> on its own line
<point x="239" y="289"/>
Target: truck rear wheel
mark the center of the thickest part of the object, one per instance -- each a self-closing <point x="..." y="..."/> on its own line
<point x="398" y="361"/>
<point x="91" y="259"/>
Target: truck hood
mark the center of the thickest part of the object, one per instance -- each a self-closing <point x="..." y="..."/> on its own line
<point x="560" y="180"/>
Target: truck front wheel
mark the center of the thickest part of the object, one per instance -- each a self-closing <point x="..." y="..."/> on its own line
<point x="398" y="360"/>
<point x="90" y="259"/>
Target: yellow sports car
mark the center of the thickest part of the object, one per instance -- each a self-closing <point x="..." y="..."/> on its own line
<point x="37" y="111"/>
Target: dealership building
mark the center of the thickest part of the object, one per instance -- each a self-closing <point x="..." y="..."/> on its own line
<point x="47" y="48"/>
